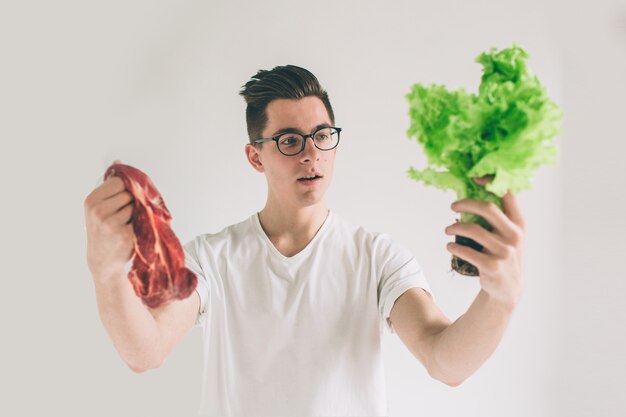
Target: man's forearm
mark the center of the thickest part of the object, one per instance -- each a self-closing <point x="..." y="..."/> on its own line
<point x="130" y="325"/>
<point x="466" y="344"/>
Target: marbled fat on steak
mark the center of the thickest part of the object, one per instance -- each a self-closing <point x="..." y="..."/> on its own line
<point x="158" y="274"/>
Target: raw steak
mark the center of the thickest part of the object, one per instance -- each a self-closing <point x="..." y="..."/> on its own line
<point x="158" y="273"/>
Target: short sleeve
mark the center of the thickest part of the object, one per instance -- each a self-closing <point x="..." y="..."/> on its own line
<point x="202" y="287"/>
<point x="398" y="270"/>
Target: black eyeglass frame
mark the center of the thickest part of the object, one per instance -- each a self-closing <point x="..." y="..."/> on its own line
<point x="312" y="135"/>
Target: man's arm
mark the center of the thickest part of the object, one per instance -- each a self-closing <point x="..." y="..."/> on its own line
<point x="174" y="321"/>
<point x="131" y="327"/>
<point x="143" y="336"/>
<point x="453" y="352"/>
<point x="450" y="352"/>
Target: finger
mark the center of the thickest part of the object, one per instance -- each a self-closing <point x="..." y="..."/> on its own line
<point x="479" y="260"/>
<point x="488" y="240"/>
<point x="109" y="188"/>
<point x="491" y="213"/>
<point x="112" y="186"/>
<point x="105" y="188"/>
<point x="484" y="180"/>
<point x="512" y="210"/>
<point x="124" y="215"/>
<point x="121" y="199"/>
<point x="111" y="206"/>
<point x="115" y="186"/>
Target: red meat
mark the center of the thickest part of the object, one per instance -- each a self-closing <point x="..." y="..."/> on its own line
<point x="158" y="273"/>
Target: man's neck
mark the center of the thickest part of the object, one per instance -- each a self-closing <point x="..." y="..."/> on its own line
<point x="297" y="226"/>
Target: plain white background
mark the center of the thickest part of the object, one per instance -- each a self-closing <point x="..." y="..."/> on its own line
<point x="155" y="84"/>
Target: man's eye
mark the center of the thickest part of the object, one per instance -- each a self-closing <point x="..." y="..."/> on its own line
<point x="323" y="135"/>
<point x="289" y="141"/>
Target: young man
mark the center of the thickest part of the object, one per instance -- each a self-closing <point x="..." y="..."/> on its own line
<point x="293" y="300"/>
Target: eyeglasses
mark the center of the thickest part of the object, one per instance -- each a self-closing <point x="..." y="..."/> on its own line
<point x="324" y="139"/>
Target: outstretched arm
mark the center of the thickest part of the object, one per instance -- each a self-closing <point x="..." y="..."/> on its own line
<point x="452" y="352"/>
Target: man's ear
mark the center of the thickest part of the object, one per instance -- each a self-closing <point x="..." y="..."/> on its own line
<point x="253" y="155"/>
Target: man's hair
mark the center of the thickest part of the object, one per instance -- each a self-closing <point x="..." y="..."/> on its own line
<point x="288" y="82"/>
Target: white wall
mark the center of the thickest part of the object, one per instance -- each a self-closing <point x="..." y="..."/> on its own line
<point x="155" y="84"/>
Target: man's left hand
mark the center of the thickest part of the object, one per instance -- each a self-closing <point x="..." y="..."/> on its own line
<point x="500" y="262"/>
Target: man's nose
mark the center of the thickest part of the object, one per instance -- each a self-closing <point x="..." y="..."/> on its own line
<point x="310" y="151"/>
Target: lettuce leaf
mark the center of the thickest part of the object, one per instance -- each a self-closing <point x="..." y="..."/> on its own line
<point x="506" y="131"/>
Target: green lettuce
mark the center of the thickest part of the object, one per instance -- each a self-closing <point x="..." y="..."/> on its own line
<point x="506" y="131"/>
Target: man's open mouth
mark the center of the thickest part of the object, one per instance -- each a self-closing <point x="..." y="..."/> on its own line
<point x="309" y="178"/>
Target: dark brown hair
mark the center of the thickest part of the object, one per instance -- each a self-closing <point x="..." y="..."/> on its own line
<point x="288" y="82"/>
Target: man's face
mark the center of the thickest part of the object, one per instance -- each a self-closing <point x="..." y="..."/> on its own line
<point x="283" y="172"/>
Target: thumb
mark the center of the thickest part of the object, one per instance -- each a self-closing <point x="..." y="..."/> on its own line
<point x="117" y="161"/>
<point x="484" y="180"/>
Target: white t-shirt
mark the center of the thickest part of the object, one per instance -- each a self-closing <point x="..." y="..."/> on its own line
<point x="299" y="335"/>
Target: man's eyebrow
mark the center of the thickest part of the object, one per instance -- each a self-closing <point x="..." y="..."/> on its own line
<point x="295" y="130"/>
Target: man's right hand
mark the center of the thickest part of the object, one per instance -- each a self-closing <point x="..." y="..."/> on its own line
<point x="110" y="240"/>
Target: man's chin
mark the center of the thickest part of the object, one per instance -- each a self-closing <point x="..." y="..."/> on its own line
<point x="310" y="199"/>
